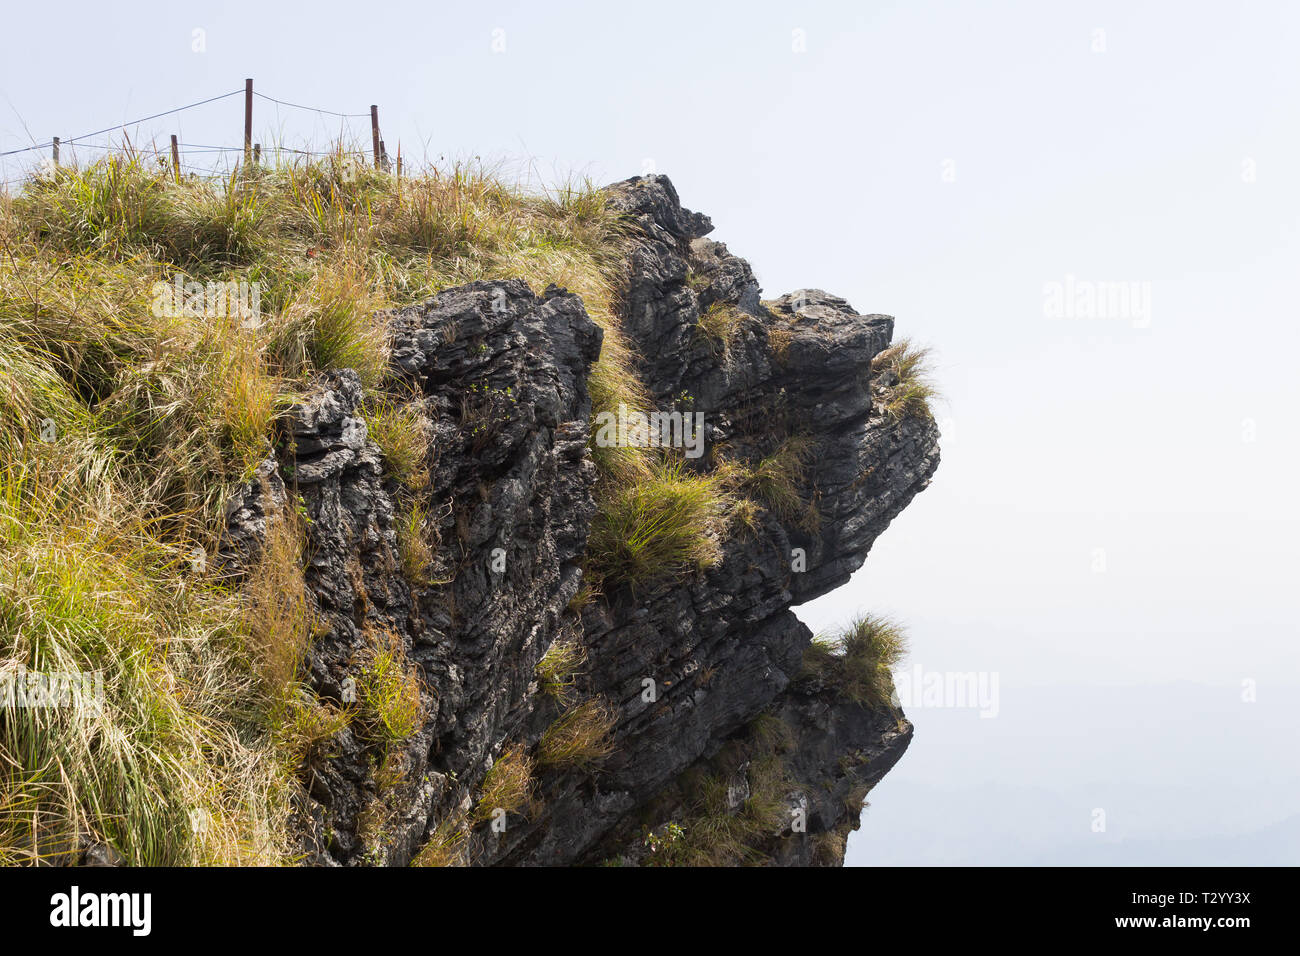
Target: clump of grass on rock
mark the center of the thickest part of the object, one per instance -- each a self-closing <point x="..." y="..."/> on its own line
<point x="399" y="432"/>
<point x="507" y="786"/>
<point x="859" y="660"/>
<point x="668" y="522"/>
<point x="389" y="688"/>
<point x="719" y="323"/>
<point x="580" y="738"/>
<point x="557" y="670"/>
<point x="777" y="478"/>
<point x="903" y="373"/>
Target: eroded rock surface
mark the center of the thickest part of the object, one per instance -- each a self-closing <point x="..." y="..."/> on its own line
<point x="498" y="374"/>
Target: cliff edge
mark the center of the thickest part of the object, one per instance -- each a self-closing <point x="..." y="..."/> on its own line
<point x="555" y="707"/>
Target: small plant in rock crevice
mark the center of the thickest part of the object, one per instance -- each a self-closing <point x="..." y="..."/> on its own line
<point x="904" y="380"/>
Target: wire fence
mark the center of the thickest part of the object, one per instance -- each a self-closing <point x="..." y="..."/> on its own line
<point x="195" y="159"/>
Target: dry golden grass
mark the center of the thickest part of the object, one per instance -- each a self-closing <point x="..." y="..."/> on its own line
<point x="507" y="786"/>
<point x="303" y="722"/>
<point x="331" y="324"/>
<point x="859" y="660"/>
<point x="446" y="845"/>
<point x="124" y="427"/>
<point x="415" y="544"/>
<point x="779" y="339"/>
<point x="580" y="738"/>
<point x="904" y="372"/>
<point x="718" y="324"/>
<point x="278" y="619"/>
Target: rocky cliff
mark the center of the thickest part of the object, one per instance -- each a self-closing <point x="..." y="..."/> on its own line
<point x="711" y="721"/>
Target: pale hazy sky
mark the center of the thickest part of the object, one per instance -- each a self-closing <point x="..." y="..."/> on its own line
<point x="943" y="163"/>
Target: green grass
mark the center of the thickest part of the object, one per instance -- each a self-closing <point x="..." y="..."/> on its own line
<point x="278" y="616"/>
<point x="330" y="324"/>
<point x="304" y="723"/>
<point x="123" y="430"/>
<point x="83" y="248"/>
<point x="400" y="434"/>
<point x="168" y="771"/>
<point x="770" y="734"/>
<point x="446" y="844"/>
<point x="389" y="689"/>
<point x="819" y="655"/>
<point x="557" y="670"/>
<point x="710" y="832"/>
<point x="415" y="548"/>
<point x="776" y="479"/>
<point x="667" y="522"/>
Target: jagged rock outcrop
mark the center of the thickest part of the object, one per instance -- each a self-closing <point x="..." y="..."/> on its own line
<point x="498" y="375"/>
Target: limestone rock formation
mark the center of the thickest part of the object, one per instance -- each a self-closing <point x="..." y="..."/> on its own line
<point x="498" y="375"/>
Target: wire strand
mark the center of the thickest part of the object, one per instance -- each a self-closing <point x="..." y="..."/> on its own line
<point x="27" y="149"/>
<point x="109" y="129"/>
<point x="76" y="142"/>
<point x="310" y="109"/>
<point x="146" y="119"/>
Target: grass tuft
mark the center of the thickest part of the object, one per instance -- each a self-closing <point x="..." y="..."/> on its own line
<point x="446" y="844"/>
<point x="859" y="660"/>
<point x="402" y="439"/>
<point x="331" y="325"/>
<point x="278" y="615"/>
<point x="903" y="372"/>
<point x="713" y="832"/>
<point x="558" y="669"/>
<point x="668" y="522"/>
<point x="389" y="689"/>
<point x="719" y="323"/>
<point x="776" y="480"/>
<point x="779" y="340"/>
<point x="415" y="548"/>
<point x="507" y="786"/>
<point x="581" y="738"/>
